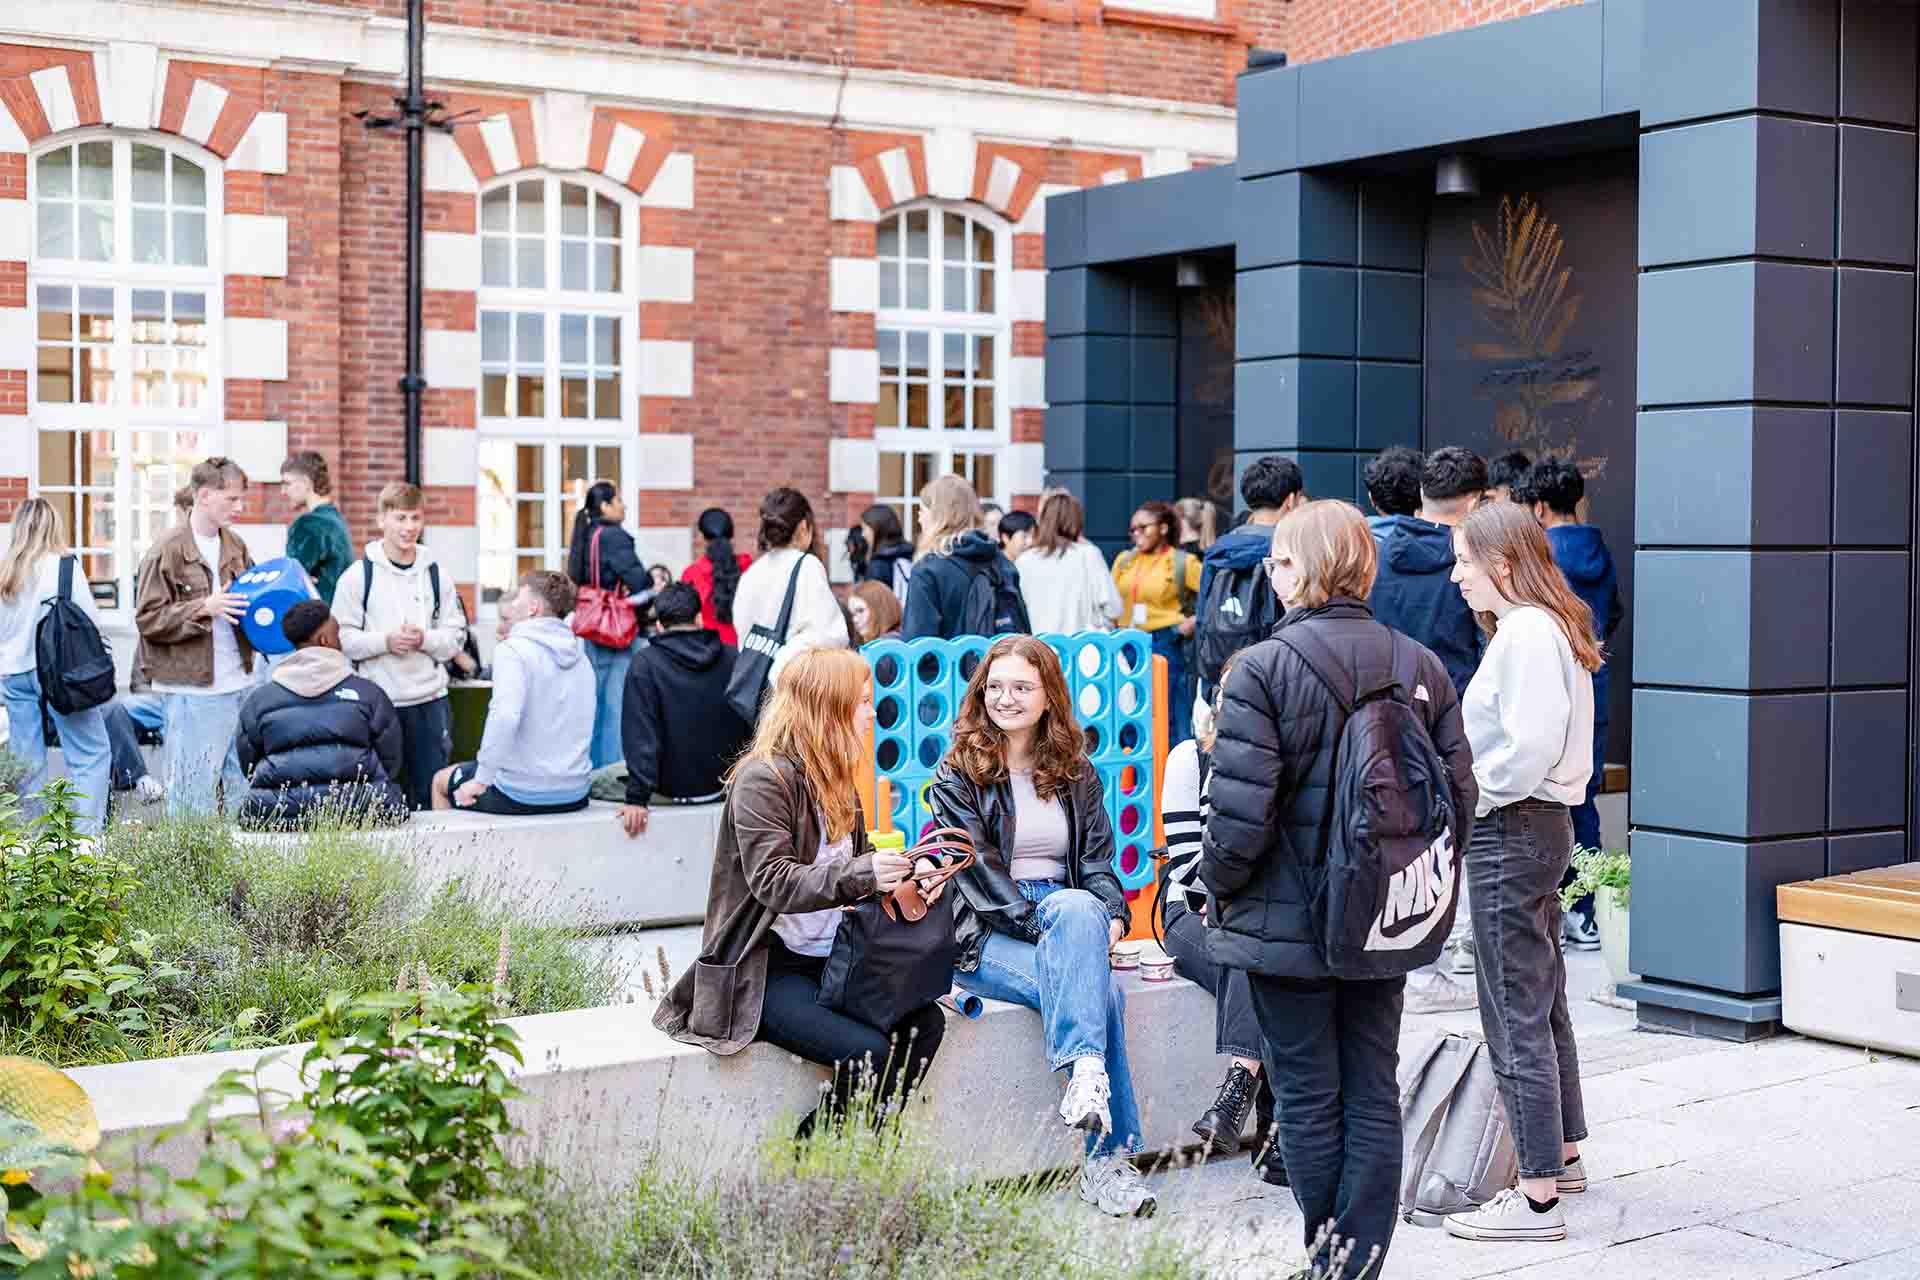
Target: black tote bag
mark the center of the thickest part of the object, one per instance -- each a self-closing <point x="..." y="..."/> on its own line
<point x="747" y="687"/>
<point x="894" y="953"/>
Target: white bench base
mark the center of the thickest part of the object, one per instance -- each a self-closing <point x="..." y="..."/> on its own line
<point x="1837" y="985"/>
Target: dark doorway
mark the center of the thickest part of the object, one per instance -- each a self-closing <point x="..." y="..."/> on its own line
<point x="1203" y="395"/>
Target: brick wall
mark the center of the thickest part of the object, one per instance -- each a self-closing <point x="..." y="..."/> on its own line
<point x="1328" y="28"/>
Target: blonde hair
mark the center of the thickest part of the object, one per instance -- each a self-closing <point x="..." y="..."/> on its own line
<point x="38" y="531"/>
<point x="1505" y="533"/>
<point x="1197" y="514"/>
<point x="809" y="722"/>
<point x="1332" y="550"/>
<point x="948" y="508"/>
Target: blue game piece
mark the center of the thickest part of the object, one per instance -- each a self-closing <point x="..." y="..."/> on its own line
<point x="271" y="589"/>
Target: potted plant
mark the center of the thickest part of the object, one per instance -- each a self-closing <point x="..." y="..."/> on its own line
<point x="1608" y="876"/>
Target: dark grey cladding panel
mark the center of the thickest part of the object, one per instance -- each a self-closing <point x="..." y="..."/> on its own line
<point x="1088" y="300"/>
<point x="1871" y="599"/>
<point x="1715" y="57"/>
<point x="1392" y="315"/>
<point x="1703" y="909"/>
<point x="1387" y="406"/>
<point x="1765" y="774"/>
<point x="1877" y="58"/>
<point x="1738" y="331"/>
<point x="1500" y="78"/>
<point x="1147" y="486"/>
<point x="1177" y="213"/>
<point x="1298" y="217"/>
<point x="1876" y="195"/>
<point x="1156" y="310"/>
<point x="1084" y="369"/>
<point x="1864" y="852"/>
<point x="1872" y="477"/>
<point x="1875" y="350"/>
<point x="1731" y="619"/>
<point x="1793" y="341"/>
<point x="1089" y="437"/>
<point x="1733" y="188"/>
<point x="1393" y="227"/>
<point x="1293" y="311"/>
<point x="1153" y="439"/>
<point x="1869" y="763"/>
<point x="1268" y="105"/>
<point x="1104" y="494"/>
<point x="1293" y="404"/>
<point x="1066" y="230"/>
<point x="1150" y="370"/>
<point x="1734" y="476"/>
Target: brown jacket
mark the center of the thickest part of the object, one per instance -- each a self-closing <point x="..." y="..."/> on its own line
<point x="763" y="867"/>
<point x="176" y="638"/>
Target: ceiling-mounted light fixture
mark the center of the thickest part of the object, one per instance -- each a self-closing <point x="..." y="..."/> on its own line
<point x="1189" y="273"/>
<point x="1456" y="175"/>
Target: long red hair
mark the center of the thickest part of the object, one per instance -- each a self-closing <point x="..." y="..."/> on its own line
<point x="809" y="720"/>
<point x="979" y="749"/>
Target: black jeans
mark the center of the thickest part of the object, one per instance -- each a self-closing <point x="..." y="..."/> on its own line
<point x="426" y="747"/>
<point x="1334" y="1050"/>
<point x="495" y="801"/>
<point x="793" y="1018"/>
<point x="1514" y="863"/>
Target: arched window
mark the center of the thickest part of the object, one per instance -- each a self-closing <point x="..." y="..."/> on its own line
<point x="943" y="332"/>
<point x="125" y="288"/>
<point x="558" y="344"/>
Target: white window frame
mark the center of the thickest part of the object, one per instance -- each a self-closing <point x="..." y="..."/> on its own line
<point x="944" y="442"/>
<point x="551" y="430"/>
<point x="122" y="275"/>
<point x="1206" y="10"/>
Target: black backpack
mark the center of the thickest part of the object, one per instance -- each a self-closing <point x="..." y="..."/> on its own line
<point x="75" y="665"/>
<point x="1392" y="869"/>
<point x="1240" y="609"/>
<point x="993" y="605"/>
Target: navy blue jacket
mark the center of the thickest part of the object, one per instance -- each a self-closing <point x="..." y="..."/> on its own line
<point x="1242" y="548"/>
<point x="937" y="592"/>
<point x="1581" y="552"/>
<point x="1414" y="594"/>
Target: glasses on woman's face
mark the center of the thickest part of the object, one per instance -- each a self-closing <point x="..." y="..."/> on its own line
<point x="1012" y="691"/>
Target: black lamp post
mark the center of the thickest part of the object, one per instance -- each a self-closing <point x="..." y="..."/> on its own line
<point x="416" y="116"/>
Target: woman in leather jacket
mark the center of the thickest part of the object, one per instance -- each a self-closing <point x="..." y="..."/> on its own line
<point x="1040" y="908"/>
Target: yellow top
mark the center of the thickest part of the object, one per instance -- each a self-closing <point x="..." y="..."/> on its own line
<point x="1148" y="580"/>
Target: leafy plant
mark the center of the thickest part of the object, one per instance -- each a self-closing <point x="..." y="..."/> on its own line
<point x="1597" y="869"/>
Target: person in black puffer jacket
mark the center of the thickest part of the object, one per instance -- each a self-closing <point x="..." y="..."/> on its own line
<point x="1332" y="1044"/>
<point x="318" y="740"/>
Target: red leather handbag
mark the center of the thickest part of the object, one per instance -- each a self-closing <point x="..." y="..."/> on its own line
<point x="603" y="616"/>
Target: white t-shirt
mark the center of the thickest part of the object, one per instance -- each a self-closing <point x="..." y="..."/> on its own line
<point x="229" y="674"/>
<point x="810" y="933"/>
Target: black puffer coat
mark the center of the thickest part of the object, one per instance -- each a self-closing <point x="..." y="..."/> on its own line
<point x="1263" y="857"/>
<point x="317" y="737"/>
<point x="989" y="900"/>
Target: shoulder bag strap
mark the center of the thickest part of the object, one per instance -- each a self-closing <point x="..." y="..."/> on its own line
<point x="1311" y="650"/>
<point x="366" y="588"/>
<point x="786" y="606"/>
<point x="65" y="590"/>
<point x="593" y="556"/>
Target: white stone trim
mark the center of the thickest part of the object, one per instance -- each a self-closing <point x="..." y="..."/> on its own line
<point x="839" y="564"/>
<point x="623" y="148"/>
<point x="672" y="186"/>
<point x="11" y="139"/>
<point x="1029" y="298"/>
<point x="666" y="368"/>
<point x="1027" y="382"/>
<point x="259" y="448"/>
<point x="496" y="134"/>
<point x="854" y="285"/>
<point x="666" y="273"/>
<point x="451" y="358"/>
<point x="1003" y="176"/>
<point x="665" y="462"/>
<point x="853" y="466"/>
<point x="1034" y="220"/>
<point x="257" y="348"/>
<point x="129" y="94"/>
<point x="670" y="545"/>
<point x="457" y="548"/>
<point x="16" y="335"/>
<point x="563" y="125"/>
<point x="1026" y="467"/>
<point x="263" y="147"/>
<point x="447" y="167"/>
<point x="951" y="154"/>
<point x="452" y="260"/>
<point x="853" y="377"/>
<point x="16" y="227"/>
<point x="1164" y="160"/>
<point x="896" y="166"/>
<point x="204" y="106"/>
<point x="449" y="456"/>
<point x="264" y="541"/>
<point x="54" y="88"/>
<point x="256" y="245"/>
<point x="848" y="197"/>
<point x="1204" y="9"/>
<point x="1113" y="177"/>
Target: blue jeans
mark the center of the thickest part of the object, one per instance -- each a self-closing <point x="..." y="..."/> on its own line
<point x="83" y="740"/>
<point x="1067" y="977"/>
<point x="609" y="691"/>
<point x="201" y="751"/>
<point x="1169" y="644"/>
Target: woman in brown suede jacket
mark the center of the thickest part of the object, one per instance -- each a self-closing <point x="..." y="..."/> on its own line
<point x="792" y="852"/>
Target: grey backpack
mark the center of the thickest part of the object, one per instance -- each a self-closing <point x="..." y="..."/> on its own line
<point x="1456" y="1151"/>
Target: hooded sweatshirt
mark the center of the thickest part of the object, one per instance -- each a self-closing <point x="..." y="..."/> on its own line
<point x="1415" y="595"/>
<point x="678" y="731"/>
<point x="1581" y="552"/>
<point x="937" y="596"/>
<point x="318" y="735"/>
<point x="400" y="596"/>
<point x="540" y="719"/>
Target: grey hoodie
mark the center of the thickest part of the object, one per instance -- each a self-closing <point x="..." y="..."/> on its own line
<point x="540" y="718"/>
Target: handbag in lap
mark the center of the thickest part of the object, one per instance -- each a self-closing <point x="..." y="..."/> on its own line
<point x="894" y="952"/>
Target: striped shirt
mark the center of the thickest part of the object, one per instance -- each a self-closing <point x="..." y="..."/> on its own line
<point x="1183" y="813"/>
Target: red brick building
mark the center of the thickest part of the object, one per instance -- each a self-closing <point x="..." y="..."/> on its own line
<point x="701" y="247"/>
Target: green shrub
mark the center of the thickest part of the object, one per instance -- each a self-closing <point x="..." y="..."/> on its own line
<point x="1597" y="869"/>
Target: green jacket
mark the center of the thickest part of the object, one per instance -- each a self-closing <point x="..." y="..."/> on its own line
<point x="318" y="540"/>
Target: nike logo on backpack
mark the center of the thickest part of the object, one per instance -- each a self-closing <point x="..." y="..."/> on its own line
<point x="1422" y="890"/>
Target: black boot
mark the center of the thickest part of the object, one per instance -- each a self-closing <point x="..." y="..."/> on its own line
<point x="1267" y="1160"/>
<point x="1220" y="1127"/>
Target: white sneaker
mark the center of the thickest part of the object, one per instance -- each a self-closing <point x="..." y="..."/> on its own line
<point x="1508" y="1216"/>
<point x="1573" y="1178"/>
<point x="1460" y="958"/>
<point x="1441" y="995"/>
<point x="149" y="790"/>
<point x="1112" y="1185"/>
<point x="1085" y="1106"/>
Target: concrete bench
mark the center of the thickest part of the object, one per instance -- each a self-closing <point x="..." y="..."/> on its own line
<point x="1850" y="957"/>
<point x="578" y="868"/>
<point x="607" y="1092"/>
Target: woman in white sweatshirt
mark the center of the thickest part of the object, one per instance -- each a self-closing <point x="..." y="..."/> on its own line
<point x="1529" y="719"/>
<point x="788" y="556"/>
<point x="1063" y="578"/>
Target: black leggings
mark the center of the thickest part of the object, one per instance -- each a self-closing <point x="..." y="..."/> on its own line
<point x="794" y="1019"/>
